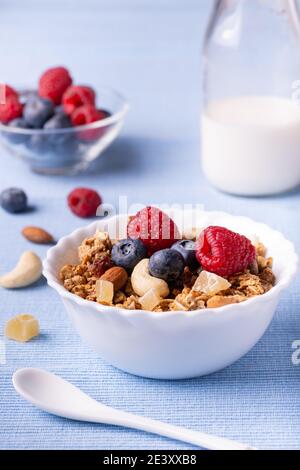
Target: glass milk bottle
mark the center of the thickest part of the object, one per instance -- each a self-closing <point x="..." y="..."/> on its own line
<point x="251" y="109"/>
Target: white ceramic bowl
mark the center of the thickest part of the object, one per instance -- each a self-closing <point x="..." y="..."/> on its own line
<point x="175" y="345"/>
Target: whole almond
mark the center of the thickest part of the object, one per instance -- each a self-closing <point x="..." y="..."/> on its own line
<point x="37" y="235"/>
<point x="118" y="276"/>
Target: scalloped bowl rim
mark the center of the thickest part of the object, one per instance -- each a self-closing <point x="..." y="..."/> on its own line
<point x="112" y="119"/>
<point x="283" y="283"/>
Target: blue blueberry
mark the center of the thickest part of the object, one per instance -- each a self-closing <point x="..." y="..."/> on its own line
<point x="13" y="200"/>
<point x="128" y="253"/>
<point x="39" y="143"/>
<point x="37" y="111"/>
<point x="59" y="121"/>
<point x="167" y="264"/>
<point x="16" y="138"/>
<point x="187" y="249"/>
<point x="59" y="109"/>
<point x="66" y="148"/>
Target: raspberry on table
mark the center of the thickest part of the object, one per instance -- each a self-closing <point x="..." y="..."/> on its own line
<point x="223" y="252"/>
<point x="11" y="109"/>
<point x="76" y="96"/>
<point x="84" y="202"/>
<point x="53" y="83"/>
<point x="155" y="228"/>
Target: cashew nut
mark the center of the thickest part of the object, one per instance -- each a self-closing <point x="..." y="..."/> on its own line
<point x="27" y="271"/>
<point x="142" y="281"/>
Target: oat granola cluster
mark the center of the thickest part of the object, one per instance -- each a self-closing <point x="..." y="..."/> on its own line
<point x="196" y="289"/>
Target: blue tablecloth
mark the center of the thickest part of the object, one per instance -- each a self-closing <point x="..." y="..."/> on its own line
<point x="149" y="50"/>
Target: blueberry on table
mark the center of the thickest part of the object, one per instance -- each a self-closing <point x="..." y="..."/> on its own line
<point x="188" y="250"/>
<point x="128" y="253"/>
<point x="16" y="138"/>
<point x="167" y="264"/>
<point x="13" y="200"/>
<point x="37" y="111"/>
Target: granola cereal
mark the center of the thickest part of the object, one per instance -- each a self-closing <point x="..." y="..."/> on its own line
<point x="194" y="289"/>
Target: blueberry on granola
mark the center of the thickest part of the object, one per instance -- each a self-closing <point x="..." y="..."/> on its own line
<point x="187" y="249"/>
<point x="167" y="265"/>
<point x="128" y="253"/>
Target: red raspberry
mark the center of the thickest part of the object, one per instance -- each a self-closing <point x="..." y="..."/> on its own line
<point x="100" y="266"/>
<point x="11" y="109"/>
<point x="86" y="114"/>
<point x="76" y="96"/>
<point x="224" y="252"/>
<point x="53" y="83"/>
<point x="155" y="228"/>
<point x="84" y="202"/>
<point x="7" y="92"/>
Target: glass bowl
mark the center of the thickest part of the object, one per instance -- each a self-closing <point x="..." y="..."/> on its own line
<point x="69" y="150"/>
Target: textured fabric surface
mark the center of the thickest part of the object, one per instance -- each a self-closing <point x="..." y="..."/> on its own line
<point x="149" y="50"/>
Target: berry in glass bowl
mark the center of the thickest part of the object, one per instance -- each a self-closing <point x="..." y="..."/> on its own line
<point x="60" y="128"/>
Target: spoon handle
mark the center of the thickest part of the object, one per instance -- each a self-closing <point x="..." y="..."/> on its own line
<point x="206" y="441"/>
<point x="55" y="395"/>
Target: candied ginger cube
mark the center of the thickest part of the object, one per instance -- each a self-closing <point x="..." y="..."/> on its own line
<point x="22" y="327"/>
<point x="210" y="283"/>
<point x="150" y="300"/>
<point x="104" y="291"/>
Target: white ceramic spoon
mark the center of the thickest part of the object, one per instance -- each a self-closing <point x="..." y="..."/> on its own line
<point x="59" y="397"/>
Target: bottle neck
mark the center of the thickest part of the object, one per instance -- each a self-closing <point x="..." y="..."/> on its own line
<point x="279" y="6"/>
<point x="293" y="10"/>
<point x="288" y="8"/>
